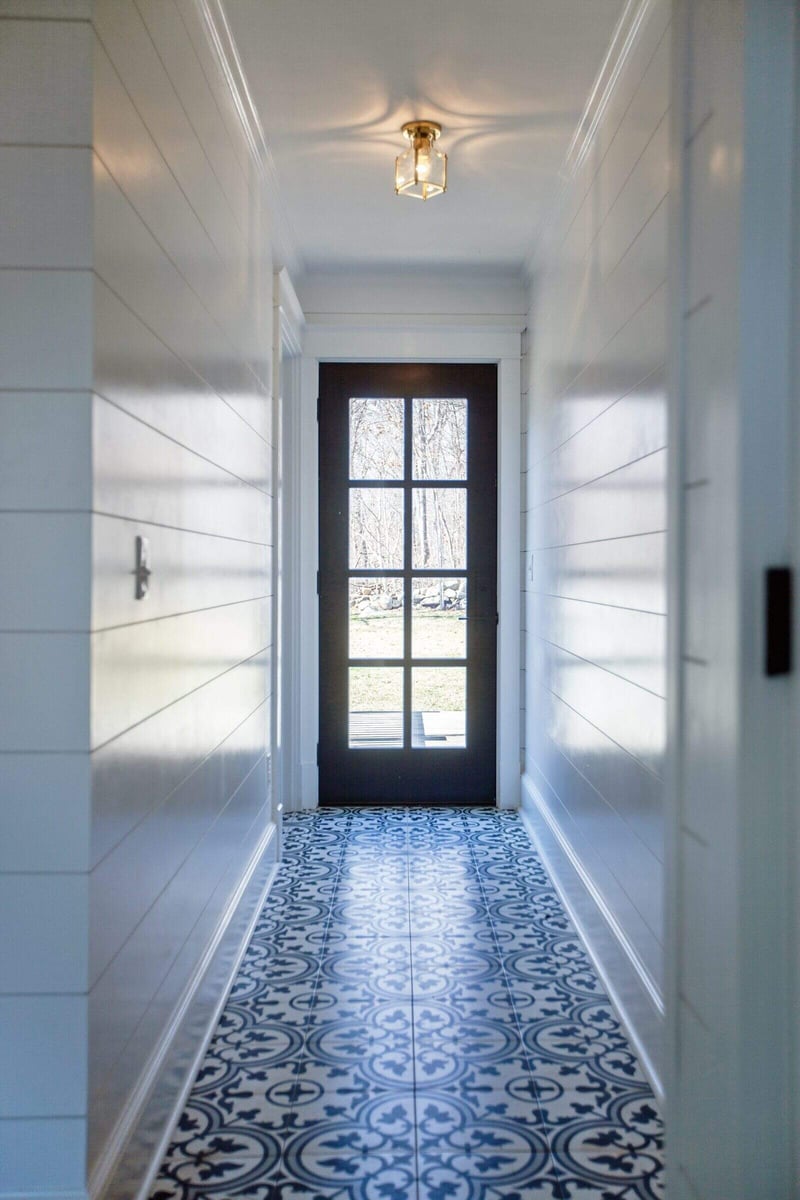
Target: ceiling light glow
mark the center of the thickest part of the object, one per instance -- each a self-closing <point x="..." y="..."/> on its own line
<point x="421" y="171"/>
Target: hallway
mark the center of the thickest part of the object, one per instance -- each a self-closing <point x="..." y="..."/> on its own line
<point x="415" y="1018"/>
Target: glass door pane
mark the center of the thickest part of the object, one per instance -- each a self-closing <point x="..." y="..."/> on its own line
<point x="376" y="438"/>
<point x="439" y="708"/>
<point x="375" y="707"/>
<point x="440" y="438"/>
<point x="439" y="520"/>
<point x="439" y="618"/>
<point x="376" y="618"/>
<point x="376" y="528"/>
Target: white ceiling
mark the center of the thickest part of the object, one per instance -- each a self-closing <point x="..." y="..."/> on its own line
<point x="333" y="81"/>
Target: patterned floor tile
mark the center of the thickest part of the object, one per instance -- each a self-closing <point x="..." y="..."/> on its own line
<point x="368" y="1177"/>
<point x="481" y="1093"/>
<point x="415" y="1019"/>
<point x="488" y="1176"/>
<point x="375" y="1042"/>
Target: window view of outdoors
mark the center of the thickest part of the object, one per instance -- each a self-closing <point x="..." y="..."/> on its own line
<point x="438" y="606"/>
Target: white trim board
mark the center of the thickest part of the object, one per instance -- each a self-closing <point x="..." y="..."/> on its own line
<point x="412" y="340"/>
<point x="634" y="994"/>
<point x="289" y="336"/>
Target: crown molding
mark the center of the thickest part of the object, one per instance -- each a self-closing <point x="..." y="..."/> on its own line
<point x="220" y="36"/>
<point x="624" y="38"/>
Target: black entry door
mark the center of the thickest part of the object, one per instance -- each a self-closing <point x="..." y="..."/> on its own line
<point x="407" y="583"/>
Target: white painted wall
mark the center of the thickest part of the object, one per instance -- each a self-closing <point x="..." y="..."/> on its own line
<point x="136" y="830"/>
<point x="594" y="563"/>
<point x="444" y="296"/>
<point x="45" y="548"/>
<point x="182" y="455"/>
<point x="733" y="1011"/>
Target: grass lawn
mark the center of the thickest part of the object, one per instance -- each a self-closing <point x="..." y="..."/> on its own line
<point x="434" y="635"/>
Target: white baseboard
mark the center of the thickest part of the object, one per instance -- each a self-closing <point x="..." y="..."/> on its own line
<point x="131" y="1157"/>
<point x="629" y="985"/>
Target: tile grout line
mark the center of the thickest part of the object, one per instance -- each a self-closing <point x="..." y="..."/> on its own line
<point x="413" y="1034"/>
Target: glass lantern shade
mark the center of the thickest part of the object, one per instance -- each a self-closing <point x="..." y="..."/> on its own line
<point x="421" y="171"/>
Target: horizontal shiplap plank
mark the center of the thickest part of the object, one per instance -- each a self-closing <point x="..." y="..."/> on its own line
<point x="135" y="370"/>
<point x="27" y="1172"/>
<point x="585" y="389"/>
<point x="627" y="643"/>
<point x="631" y="123"/>
<point x="140" y="669"/>
<point x="628" y="715"/>
<point x="165" y="241"/>
<point x="143" y="476"/>
<point x="603" y="833"/>
<point x="46" y="206"/>
<point x="151" y="90"/>
<point x="197" y="33"/>
<point x="628" y="502"/>
<point x="44" y="709"/>
<point x="121" y="997"/>
<point x="43" y="921"/>
<point x="131" y="877"/>
<point x="629" y="429"/>
<point x="44" y="1045"/>
<point x="626" y="572"/>
<point x="53" y="430"/>
<point x="198" y="101"/>
<point x="644" y="190"/>
<point x="44" y="812"/>
<point x="60" y="53"/>
<point x="138" y="771"/>
<point x="39" y="551"/>
<point x="109" y="1091"/>
<point x="633" y="792"/>
<point x="190" y="571"/>
<point x="579" y="836"/>
<point x="638" y="89"/>
<point x="46" y="333"/>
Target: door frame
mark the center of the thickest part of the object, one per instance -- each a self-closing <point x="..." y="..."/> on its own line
<point x="409" y="340"/>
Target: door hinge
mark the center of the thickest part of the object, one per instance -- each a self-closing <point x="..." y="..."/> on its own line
<point x="318" y="408"/>
<point x="317" y="753"/>
<point x="778" y="606"/>
<point x="317" y="582"/>
<point x="497" y="618"/>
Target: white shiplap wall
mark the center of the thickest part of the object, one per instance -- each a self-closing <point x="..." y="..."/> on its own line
<point x="594" y="566"/>
<point x="45" y="548"/>
<point x="733" y="1013"/>
<point x="182" y="455"/>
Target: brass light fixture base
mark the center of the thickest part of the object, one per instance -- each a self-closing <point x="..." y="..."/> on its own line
<point x="421" y="129"/>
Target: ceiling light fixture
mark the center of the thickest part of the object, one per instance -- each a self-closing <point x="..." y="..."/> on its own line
<point x="421" y="171"/>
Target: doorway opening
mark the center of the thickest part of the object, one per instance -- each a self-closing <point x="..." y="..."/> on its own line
<point x="407" y="583"/>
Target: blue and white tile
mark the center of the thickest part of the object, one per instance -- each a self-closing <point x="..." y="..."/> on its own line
<point x="416" y="1019"/>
